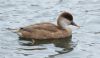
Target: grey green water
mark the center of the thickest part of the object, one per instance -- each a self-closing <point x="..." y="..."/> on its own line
<point x="84" y="43"/>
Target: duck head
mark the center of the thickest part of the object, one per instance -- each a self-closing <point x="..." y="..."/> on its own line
<point x="65" y="19"/>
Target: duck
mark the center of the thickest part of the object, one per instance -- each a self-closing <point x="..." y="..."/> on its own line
<point x="47" y="30"/>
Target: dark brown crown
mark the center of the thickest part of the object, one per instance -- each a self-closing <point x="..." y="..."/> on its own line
<point x="67" y="16"/>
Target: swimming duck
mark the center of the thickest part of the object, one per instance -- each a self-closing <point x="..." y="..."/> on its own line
<point x="49" y="30"/>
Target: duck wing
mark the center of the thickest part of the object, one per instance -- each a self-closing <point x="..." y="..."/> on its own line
<point x="40" y="26"/>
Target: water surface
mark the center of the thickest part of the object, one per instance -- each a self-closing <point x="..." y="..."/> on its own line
<point x="84" y="43"/>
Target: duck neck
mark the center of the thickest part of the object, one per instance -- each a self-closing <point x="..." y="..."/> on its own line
<point x="64" y="24"/>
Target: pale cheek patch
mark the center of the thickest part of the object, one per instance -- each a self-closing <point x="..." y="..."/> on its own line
<point x="64" y="23"/>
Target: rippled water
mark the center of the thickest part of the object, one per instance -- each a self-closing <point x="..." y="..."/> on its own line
<point x="84" y="43"/>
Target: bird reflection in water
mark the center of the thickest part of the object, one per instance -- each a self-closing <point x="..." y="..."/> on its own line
<point x="66" y="44"/>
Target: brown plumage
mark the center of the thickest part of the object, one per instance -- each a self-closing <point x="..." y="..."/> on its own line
<point x="48" y="30"/>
